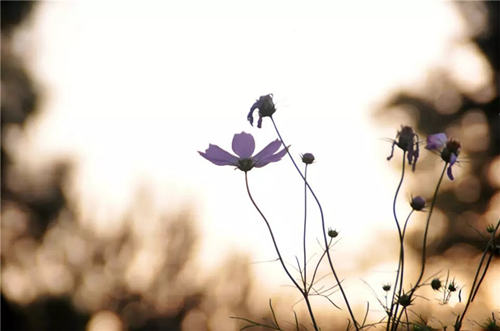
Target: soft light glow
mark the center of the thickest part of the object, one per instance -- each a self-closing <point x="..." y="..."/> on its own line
<point x="132" y="103"/>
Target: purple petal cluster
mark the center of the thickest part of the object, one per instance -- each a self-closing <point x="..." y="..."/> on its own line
<point x="407" y="140"/>
<point x="266" y="107"/>
<point x="244" y="146"/>
<point x="449" y="149"/>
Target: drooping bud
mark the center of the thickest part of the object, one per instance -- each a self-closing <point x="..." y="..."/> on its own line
<point x="266" y="107"/>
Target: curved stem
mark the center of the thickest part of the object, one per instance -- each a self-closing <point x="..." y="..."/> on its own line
<point x="400" y="241"/>
<point x="305" y="227"/>
<point x="323" y="226"/>
<point x="475" y="284"/>
<point x="401" y="266"/>
<point x="304" y="294"/>
<point x="424" y="244"/>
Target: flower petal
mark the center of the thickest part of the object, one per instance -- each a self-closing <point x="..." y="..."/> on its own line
<point x="272" y="158"/>
<point x="267" y="154"/>
<point x="436" y="141"/>
<point x="218" y="156"/>
<point x="453" y="159"/>
<point x="448" y="172"/>
<point x="269" y="150"/>
<point x="243" y="145"/>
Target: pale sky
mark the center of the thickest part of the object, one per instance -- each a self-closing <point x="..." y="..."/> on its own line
<point x="132" y="92"/>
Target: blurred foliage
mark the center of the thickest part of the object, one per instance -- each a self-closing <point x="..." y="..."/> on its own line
<point x="469" y="112"/>
<point x="60" y="274"/>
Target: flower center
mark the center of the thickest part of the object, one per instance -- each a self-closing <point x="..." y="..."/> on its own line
<point x="452" y="147"/>
<point x="245" y="164"/>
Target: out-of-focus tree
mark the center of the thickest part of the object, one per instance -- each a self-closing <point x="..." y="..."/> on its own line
<point x="468" y="111"/>
<point x="60" y="274"/>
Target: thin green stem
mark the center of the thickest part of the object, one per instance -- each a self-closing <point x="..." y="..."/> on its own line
<point x="304" y="294"/>
<point x="323" y="227"/>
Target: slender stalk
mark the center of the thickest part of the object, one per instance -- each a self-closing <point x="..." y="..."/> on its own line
<point x="323" y="227"/>
<point x="305" y="227"/>
<point x="403" y="253"/>
<point x="401" y="266"/>
<point x="475" y="287"/>
<point x="400" y="241"/>
<point x="304" y="294"/>
<point x="424" y="244"/>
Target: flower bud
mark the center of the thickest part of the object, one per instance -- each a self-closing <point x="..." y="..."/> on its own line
<point x="417" y="203"/>
<point x="386" y="287"/>
<point x="490" y="228"/>
<point x="307" y="158"/>
<point x="404" y="300"/>
<point x="332" y="233"/>
<point x="436" y="284"/>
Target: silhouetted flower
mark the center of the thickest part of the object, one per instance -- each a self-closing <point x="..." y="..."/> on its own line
<point x="307" y="158"/>
<point x="244" y="146"/>
<point x="407" y="140"/>
<point x="417" y="203"/>
<point x="448" y="148"/>
<point x="266" y="107"/>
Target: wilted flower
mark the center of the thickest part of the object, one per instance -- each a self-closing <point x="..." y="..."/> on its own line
<point x="266" y="107"/>
<point x="307" y="158"/>
<point x="417" y="203"/>
<point x="244" y="146"/>
<point x="407" y="140"/>
<point x="448" y="148"/>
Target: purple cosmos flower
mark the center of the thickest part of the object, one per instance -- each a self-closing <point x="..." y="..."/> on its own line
<point x="448" y="148"/>
<point x="407" y="140"/>
<point x="244" y="146"/>
<point x="266" y="107"/>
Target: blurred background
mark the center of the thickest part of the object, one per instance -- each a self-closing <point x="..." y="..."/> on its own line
<point x="112" y="221"/>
